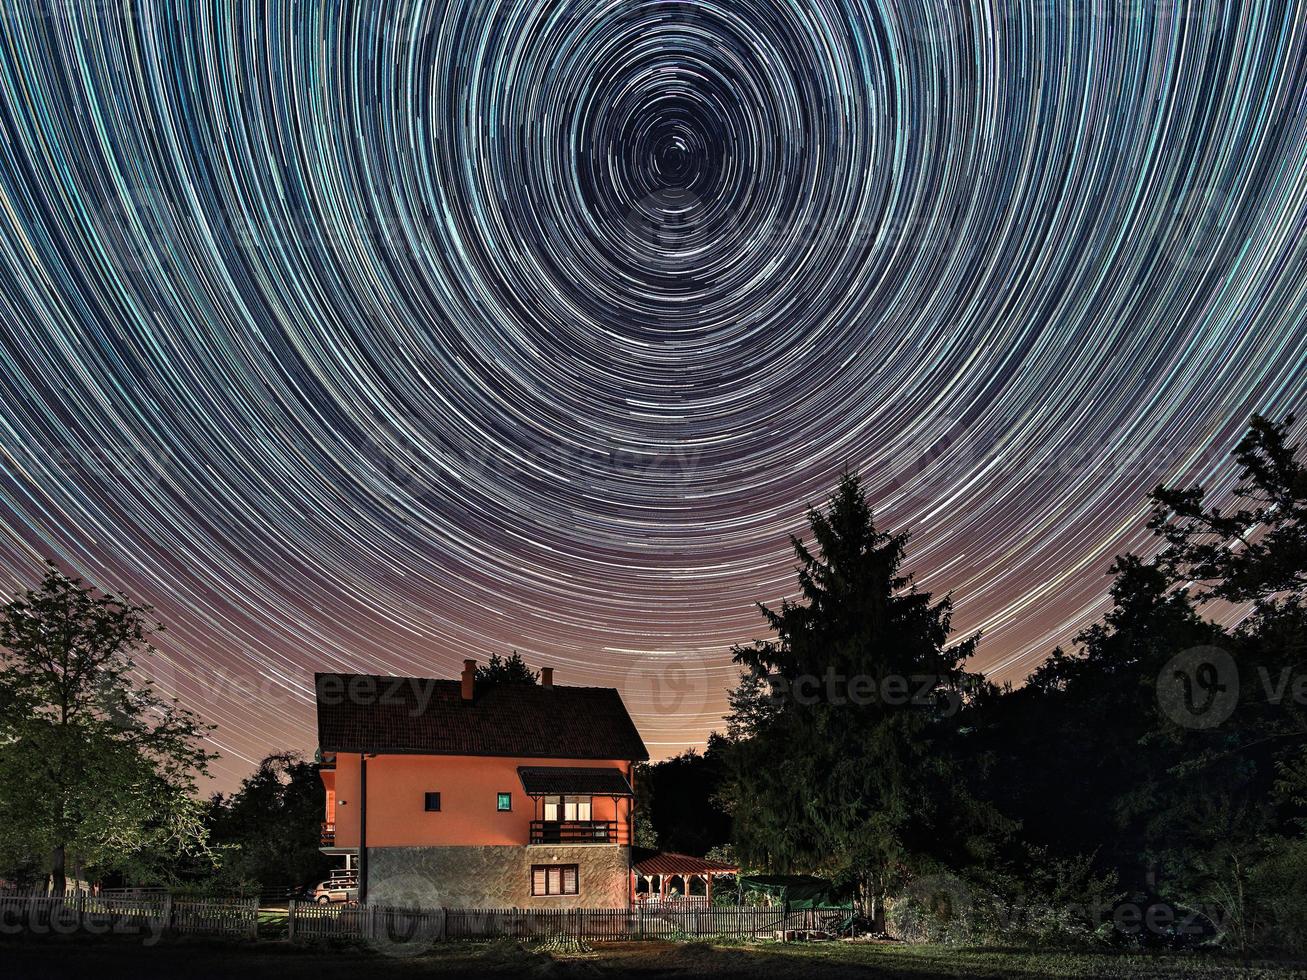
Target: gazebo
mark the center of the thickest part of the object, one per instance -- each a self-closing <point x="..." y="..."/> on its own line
<point x="657" y="870"/>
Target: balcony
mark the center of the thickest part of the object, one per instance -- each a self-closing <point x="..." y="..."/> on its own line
<point x="573" y="832"/>
<point x="328" y="833"/>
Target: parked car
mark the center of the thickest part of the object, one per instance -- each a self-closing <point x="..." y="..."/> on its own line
<point x="335" y="890"/>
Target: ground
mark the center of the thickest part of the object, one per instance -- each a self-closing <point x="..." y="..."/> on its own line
<point x="41" y="957"/>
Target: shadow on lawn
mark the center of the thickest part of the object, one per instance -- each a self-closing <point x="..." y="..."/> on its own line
<point x="108" y="958"/>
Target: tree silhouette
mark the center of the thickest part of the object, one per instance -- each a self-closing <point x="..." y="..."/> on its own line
<point x="1259" y="548"/>
<point x="836" y="771"/>
<point x="506" y="670"/>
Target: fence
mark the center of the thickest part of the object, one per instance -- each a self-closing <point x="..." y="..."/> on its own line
<point x="239" y="918"/>
<point x="310" y="921"/>
<point x="40" y="912"/>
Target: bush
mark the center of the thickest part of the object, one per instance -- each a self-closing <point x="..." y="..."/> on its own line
<point x="1278" y="886"/>
<point x="1056" y="903"/>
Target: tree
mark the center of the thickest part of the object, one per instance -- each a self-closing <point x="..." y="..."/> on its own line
<point x="1099" y="792"/>
<point x="92" y="762"/>
<point x="1204" y="813"/>
<point x="1259" y="548"/>
<point x="679" y="801"/>
<point x="835" y="771"/>
<point x="270" y="826"/>
<point x="507" y="670"/>
<point x="1255" y="765"/>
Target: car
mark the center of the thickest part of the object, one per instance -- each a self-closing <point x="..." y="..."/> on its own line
<point x="336" y="890"/>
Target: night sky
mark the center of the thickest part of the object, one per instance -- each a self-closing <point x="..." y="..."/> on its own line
<point x="376" y="336"/>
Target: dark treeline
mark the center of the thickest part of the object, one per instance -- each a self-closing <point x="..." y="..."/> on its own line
<point x="1148" y="786"/>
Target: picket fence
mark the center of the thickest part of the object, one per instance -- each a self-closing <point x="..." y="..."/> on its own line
<point x="41" y="912"/>
<point x="308" y="921"/>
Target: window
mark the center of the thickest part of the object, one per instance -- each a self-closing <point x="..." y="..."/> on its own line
<point x="567" y="808"/>
<point x="554" y="879"/>
<point x="433" y="803"/>
<point x="504" y="802"/>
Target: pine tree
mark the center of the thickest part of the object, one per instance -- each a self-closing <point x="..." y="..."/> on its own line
<point x="507" y="670"/>
<point x="835" y="773"/>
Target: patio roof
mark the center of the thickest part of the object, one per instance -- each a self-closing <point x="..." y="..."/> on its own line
<point x="576" y="780"/>
<point x="670" y="863"/>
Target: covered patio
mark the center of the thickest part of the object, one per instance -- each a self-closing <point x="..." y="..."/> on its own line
<point x="669" y="878"/>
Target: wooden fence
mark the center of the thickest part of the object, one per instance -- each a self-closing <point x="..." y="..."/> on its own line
<point x="311" y="921"/>
<point x="79" y="911"/>
<point x="237" y="917"/>
<point x="38" y="912"/>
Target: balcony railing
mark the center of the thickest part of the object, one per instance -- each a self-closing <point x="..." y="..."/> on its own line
<point x="328" y="833"/>
<point x="573" y="832"/>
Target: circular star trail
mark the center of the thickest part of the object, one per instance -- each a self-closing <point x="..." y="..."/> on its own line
<point x="379" y="335"/>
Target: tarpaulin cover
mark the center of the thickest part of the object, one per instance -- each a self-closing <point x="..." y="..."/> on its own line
<point x="797" y="891"/>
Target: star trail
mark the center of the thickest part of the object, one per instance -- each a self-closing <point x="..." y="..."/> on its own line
<point x="372" y="336"/>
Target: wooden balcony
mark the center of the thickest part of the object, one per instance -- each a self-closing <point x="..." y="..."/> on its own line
<point x="328" y="834"/>
<point x="573" y="832"/>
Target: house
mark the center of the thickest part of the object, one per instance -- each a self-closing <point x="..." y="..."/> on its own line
<point x="476" y="795"/>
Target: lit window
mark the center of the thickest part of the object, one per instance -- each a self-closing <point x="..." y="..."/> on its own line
<point x="504" y="802"/>
<point x="567" y="808"/>
<point x="554" y="879"/>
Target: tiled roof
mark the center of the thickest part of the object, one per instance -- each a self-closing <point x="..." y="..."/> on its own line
<point x="578" y="780"/>
<point x="670" y="863"/>
<point x="370" y="713"/>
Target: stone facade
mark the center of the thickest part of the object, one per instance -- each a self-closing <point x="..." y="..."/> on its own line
<point x="495" y="876"/>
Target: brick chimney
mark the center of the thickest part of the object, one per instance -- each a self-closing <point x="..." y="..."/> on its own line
<point x="469" y="675"/>
<point x="547" y="677"/>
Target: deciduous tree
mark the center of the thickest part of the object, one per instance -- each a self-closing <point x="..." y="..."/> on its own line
<point x="94" y="763"/>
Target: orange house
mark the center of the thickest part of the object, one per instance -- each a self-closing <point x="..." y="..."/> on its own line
<point x="454" y="793"/>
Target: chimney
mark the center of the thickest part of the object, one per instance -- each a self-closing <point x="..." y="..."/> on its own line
<point x="547" y="677"/>
<point x="469" y="674"/>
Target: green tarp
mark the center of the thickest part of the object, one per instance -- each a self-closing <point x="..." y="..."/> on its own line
<point x="797" y="891"/>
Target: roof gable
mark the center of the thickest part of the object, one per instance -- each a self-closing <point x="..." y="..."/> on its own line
<point x="426" y="716"/>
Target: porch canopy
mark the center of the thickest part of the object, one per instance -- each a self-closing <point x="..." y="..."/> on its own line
<point x="573" y="781"/>
<point x="664" y="866"/>
<point x="562" y="797"/>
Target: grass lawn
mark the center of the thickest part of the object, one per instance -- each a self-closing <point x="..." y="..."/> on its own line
<point x="36" y="957"/>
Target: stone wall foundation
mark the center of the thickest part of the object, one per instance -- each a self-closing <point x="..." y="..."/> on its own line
<point x="495" y="876"/>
